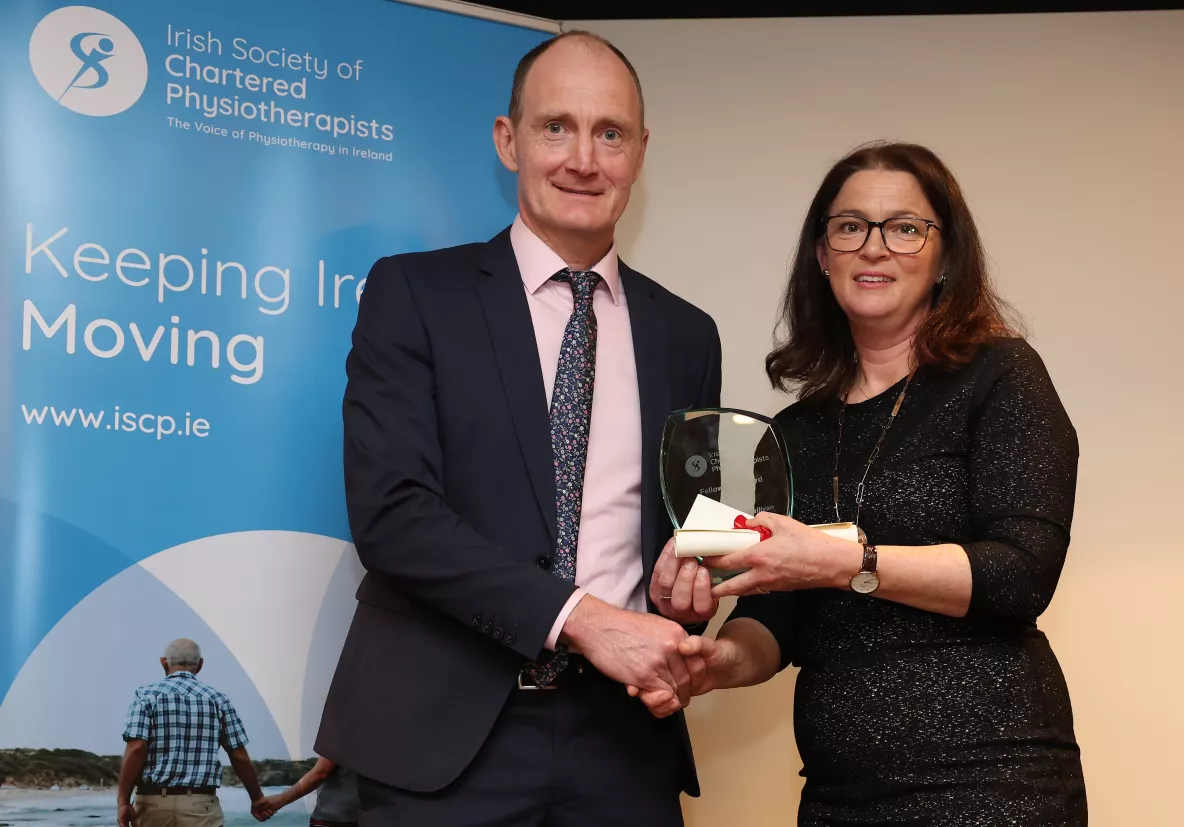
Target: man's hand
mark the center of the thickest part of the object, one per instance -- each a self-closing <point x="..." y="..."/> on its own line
<point x="681" y="589"/>
<point x="709" y="663"/>
<point x="635" y="649"/>
<point x="126" y="816"/>
<point x="264" y="808"/>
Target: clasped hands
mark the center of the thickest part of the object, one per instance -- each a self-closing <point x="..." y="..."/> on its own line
<point x="791" y="556"/>
<point x="265" y="807"/>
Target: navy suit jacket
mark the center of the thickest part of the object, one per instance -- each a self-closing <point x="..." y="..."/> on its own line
<point x="450" y="490"/>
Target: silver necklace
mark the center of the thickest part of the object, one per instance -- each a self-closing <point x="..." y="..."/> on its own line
<point x="861" y="489"/>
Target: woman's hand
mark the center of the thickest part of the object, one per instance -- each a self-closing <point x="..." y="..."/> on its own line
<point x="681" y="589"/>
<point x="710" y="664"/>
<point x="264" y="808"/>
<point x="795" y="557"/>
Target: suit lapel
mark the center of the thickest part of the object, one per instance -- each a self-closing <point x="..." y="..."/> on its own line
<point x="511" y="331"/>
<point x="651" y="351"/>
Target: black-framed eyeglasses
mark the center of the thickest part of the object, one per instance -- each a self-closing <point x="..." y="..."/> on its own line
<point x="848" y="233"/>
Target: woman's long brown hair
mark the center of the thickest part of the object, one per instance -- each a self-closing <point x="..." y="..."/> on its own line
<point x="814" y="350"/>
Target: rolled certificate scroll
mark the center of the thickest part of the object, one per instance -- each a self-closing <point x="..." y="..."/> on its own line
<point x="712" y="542"/>
<point x="709" y="530"/>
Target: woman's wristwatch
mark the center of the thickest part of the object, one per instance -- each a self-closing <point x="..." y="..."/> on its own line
<point x="866" y="580"/>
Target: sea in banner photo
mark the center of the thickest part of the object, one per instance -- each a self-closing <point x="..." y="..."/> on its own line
<point x="96" y="808"/>
<point x="76" y="788"/>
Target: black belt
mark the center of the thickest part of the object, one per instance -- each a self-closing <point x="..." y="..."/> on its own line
<point x="152" y="789"/>
<point x="578" y="670"/>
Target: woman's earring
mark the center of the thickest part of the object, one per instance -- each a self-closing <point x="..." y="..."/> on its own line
<point x="942" y="279"/>
<point x="826" y="274"/>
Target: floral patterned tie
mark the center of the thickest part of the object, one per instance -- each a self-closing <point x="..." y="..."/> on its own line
<point x="571" y="414"/>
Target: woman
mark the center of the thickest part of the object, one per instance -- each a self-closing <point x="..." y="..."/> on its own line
<point x="337" y="802"/>
<point x="926" y="695"/>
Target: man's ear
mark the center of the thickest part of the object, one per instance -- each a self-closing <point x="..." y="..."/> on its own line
<point x="645" y="141"/>
<point x="505" y="142"/>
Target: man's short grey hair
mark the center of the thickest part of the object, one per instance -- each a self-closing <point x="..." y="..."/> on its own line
<point x="182" y="653"/>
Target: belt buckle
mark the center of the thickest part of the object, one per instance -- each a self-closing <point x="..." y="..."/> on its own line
<point x="530" y="687"/>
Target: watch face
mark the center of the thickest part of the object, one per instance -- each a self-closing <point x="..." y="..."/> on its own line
<point x="865" y="582"/>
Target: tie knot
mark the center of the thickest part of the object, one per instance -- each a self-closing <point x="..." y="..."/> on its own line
<point x="583" y="282"/>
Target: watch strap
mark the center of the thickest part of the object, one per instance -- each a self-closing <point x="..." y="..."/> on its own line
<point x="870" y="558"/>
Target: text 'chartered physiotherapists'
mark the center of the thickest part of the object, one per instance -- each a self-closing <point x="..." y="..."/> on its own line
<point x="234" y="78"/>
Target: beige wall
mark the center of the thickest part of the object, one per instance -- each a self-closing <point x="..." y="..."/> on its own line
<point x="1066" y="133"/>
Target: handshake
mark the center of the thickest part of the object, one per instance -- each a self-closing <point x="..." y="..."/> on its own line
<point x="654" y="656"/>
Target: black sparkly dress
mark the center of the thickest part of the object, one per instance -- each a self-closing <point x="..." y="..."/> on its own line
<point x="906" y="717"/>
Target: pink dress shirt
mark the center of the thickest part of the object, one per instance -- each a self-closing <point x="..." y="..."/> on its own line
<point x="608" y="555"/>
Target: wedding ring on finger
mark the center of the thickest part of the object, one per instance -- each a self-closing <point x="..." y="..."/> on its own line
<point x="664" y="596"/>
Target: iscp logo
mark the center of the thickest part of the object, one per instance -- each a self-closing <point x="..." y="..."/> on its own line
<point x="88" y="61"/>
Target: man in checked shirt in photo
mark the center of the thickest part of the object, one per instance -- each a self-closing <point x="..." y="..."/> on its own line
<point x="175" y="728"/>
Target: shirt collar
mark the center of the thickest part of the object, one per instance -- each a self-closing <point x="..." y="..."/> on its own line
<point x="537" y="262"/>
<point x="181" y="673"/>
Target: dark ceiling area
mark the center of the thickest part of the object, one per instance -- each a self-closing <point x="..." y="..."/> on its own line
<point x="644" y="10"/>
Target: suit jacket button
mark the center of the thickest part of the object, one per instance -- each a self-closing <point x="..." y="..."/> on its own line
<point x="476" y="621"/>
<point x="497" y="633"/>
<point x="544" y="562"/>
<point x="485" y="629"/>
<point x="510" y="638"/>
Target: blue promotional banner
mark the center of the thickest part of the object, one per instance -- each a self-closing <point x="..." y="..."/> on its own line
<point x="193" y="194"/>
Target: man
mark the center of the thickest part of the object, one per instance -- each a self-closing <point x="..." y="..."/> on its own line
<point x="174" y="730"/>
<point x="504" y="409"/>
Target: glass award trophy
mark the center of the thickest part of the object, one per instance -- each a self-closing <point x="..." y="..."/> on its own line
<point x="720" y="464"/>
